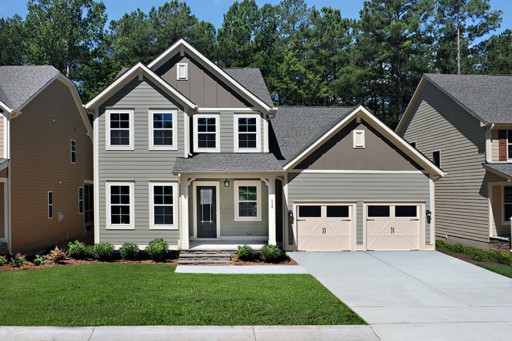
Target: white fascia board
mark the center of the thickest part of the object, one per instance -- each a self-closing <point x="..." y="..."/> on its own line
<point x="129" y="75"/>
<point x="5" y="108"/>
<point x="212" y="67"/>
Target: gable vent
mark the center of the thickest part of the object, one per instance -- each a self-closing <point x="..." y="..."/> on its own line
<point x="182" y="70"/>
<point x="358" y="138"/>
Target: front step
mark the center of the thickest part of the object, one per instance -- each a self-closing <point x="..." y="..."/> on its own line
<point x="204" y="258"/>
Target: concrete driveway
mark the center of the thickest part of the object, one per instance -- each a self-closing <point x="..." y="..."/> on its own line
<point x="417" y="295"/>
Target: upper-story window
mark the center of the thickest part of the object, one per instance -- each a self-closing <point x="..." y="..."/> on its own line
<point x="72" y="151"/>
<point x="162" y="130"/>
<point x="119" y="133"/>
<point x="247" y="133"/>
<point x="206" y="133"/>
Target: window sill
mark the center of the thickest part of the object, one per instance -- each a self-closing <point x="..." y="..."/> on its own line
<point x="121" y="227"/>
<point x="162" y="148"/>
<point x="120" y="148"/>
<point x="164" y="228"/>
<point x="247" y="218"/>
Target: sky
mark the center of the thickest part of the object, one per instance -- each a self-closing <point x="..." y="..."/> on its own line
<point x="213" y="10"/>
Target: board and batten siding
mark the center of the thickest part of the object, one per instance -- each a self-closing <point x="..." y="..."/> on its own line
<point x="359" y="187"/>
<point x="437" y="123"/>
<point x="40" y="162"/>
<point x="140" y="165"/>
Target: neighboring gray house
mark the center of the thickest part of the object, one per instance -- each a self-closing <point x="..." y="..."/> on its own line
<point x="199" y="156"/>
<point x="464" y="123"/>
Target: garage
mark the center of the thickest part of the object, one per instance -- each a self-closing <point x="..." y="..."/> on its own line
<point x="393" y="227"/>
<point x="324" y="227"/>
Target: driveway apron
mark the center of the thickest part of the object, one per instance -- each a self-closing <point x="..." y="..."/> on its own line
<point x="420" y="295"/>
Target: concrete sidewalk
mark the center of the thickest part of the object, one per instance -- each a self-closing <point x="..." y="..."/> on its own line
<point x="189" y="333"/>
<point x="241" y="269"/>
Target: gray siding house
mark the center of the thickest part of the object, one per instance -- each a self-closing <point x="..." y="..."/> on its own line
<point x="200" y="156"/>
<point x="463" y="123"/>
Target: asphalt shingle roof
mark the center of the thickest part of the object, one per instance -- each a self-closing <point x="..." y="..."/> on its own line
<point x="502" y="168"/>
<point x="296" y="128"/>
<point x="488" y="97"/>
<point x="228" y="162"/>
<point x="252" y="80"/>
<point x="19" y="83"/>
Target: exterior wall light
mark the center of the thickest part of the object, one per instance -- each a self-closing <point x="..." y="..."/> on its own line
<point x="226" y="183"/>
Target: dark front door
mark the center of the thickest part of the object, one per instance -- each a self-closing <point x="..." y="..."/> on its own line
<point x="206" y="212"/>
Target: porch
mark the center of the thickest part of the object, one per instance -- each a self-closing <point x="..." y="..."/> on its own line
<point x="224" y="245"/>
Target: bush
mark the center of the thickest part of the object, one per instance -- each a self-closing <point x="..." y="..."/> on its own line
<point x="157" y="249"/>
<point x="245" y="252"/>
<point x="56" y="255"/>
<point x="89" y="251"/>
<point x="104" y="252"/>
<point x="504" y="257"/>
<point x="76" y="250"/>
<point x="39" y="260"/>
<point x="3" y="260"/>
<point x="18" y="260"/>
<point x="129" y="251"/>
<point x="270" y="253"/>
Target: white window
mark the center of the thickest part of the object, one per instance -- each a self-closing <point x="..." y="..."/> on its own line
<point x="182" y="71"/>
<point x="163" y="203"/>
<point x="80" y="200"/>
<point x="247" y="201"/>
<point x="359" y="141"/>
<point x="247" y="133"/>
<point x="50" y="205"/>
<point x="206" y="133"/>
<point x="162" y="130"/>
<point x="72" y="150"/>
<point x="120" y="205"/>
<point x="119" y="130"/>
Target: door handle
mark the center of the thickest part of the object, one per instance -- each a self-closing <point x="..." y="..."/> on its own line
<point x="324" y="230"/>
<point x="301" y="219"/>
<point x="392" y="230"/>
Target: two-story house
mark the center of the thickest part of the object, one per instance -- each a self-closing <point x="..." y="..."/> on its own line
<point x="45" y="160"/>
<point x="200" y="156"/>
<point x="464" y="123"/>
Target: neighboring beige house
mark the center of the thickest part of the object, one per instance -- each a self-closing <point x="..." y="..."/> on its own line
<point x="464" y="123"/>
<point x="46" y="160"/>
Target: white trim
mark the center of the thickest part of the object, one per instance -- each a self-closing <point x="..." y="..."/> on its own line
<point x="183" y="45"/>
<point x="178" y="69"/>
<point x="109" y="225"/>
<point x="236" y="148"/>
<point x="71" y="151"/>
<point x="488" y="145"/>
<point x="175" y="200"/>
<point x="5" y="139"/>
<point x="6" y="211"/>
<point x="49" y="204"/>
<point x="82" y="200"/>
<point x="186" y="135"/>
<point x="174" y="129"/>
<point x="96" y="184"/>
<point x="432" y="202"/>
<point x="131" y="129"/>
<point x="207" y="110"/>
<point x="5" y="108"/>
<point x="356" y="135"/>
<point x="217" y="134"/>
<point x="266" y="137"/>
<point x="136" y="70"/>
<point x="237" y="184"/>
<point x="194" y="206"/>
<point x="339" y="171"/>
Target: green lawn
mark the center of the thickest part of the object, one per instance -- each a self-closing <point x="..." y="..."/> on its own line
<point x="153" y="294"/>
<point x="504" y="270"/>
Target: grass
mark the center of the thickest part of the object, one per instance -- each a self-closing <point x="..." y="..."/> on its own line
<point x="153" y="294"/>
<point x="504" y="270"/>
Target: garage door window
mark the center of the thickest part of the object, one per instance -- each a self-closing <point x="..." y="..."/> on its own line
<point x="337" y="212"/>
<point x="406" y="211"/>
<point x="378" y="211"/>
<point x="310" y="211"/>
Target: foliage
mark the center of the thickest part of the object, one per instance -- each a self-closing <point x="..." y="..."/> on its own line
<point x="104" y="252"/>
<point x="89" y="251"/>
<point x="157" y="250"/>
<point x="18" y="260"/>
<point x="504" y="270"/>
<point x="39" y="260"/>
<point x="245" y="252"/>
<point x="3" y="260"/>
<point x="479" y="255"/>
<point x="77" y="250"/>
<point x="129" y="251"/>
<point x="270" y="253"/>
<point x="56" y="255"/>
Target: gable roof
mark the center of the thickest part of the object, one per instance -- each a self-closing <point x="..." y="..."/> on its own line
<point x="252" y="80"/>
<point x="182" y="46"/>
<point x="501" y="169"/>
<point x="486" y="97"/>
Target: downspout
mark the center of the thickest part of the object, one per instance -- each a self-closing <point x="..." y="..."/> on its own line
<point x="9" y="175"/>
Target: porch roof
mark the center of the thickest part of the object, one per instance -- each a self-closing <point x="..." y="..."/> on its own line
<point x="228" y="162"/>
<point x="501" y="169"/>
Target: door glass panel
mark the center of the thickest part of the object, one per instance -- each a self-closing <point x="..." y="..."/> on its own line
<point x="406" y="211"/>
<point x="206" y="207"/>
<point x="337" y="212"/>
<point x="378" y="211"/>
<point x="310" y="211"/>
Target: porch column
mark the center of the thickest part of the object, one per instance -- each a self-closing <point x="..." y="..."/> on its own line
<point x="272" y="211"/>
<point x="184" y="231"/>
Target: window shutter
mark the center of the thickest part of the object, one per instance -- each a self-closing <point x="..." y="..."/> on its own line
<point x="502" y="136"/>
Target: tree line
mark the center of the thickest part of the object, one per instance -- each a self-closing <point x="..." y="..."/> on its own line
<point x="308" y="56"/>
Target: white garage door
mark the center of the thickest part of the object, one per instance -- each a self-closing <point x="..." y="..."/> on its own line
<point x="324" y="227"/>
<point x="392" y="227"/>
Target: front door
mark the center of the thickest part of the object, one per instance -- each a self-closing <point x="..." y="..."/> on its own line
<point x="206" y="212"/>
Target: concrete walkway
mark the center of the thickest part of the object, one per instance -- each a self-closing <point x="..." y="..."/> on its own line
<point x="241" y="269"/>
<point x="185" y="333"/>
<point x="419" y="295"/>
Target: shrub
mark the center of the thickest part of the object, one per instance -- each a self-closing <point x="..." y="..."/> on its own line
<point x="157" y="249"/>
<point x="104" y="251"/>
<point x="3" y="260"/>
<point x="89" y="251"/>
<point x="129" y="251"/>
<point x="76" y="250"/>
<point x="39" y="260"/>
<point x="56" y="255"/>
<point x="245" y="252"/>
<point x="504" y="257"/>
<point x="18" y="260"/>
<point x="270" y="253"/>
